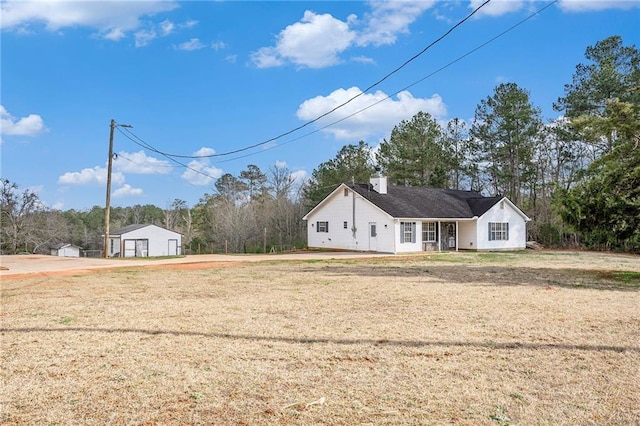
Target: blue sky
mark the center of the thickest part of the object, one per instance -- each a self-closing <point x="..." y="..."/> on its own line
<point x="209" y="77"/>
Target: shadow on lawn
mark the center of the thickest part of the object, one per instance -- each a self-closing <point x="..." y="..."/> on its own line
<point x="497" y="275"/>
<point x="322" y="340"/>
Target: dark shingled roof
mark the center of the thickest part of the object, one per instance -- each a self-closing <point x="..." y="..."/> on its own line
<point x="419" y="202"/>
<point x="59" y="246"/>
<point x="128" y="228"/>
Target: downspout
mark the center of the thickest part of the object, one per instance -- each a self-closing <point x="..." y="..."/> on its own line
<point x="353" y="226"/>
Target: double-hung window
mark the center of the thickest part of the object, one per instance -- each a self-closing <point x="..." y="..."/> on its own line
<point x="322" y="226"/>
<point x="498" y="231"/>
<point x="407" y="232"/>
<point x="429" y="232"/>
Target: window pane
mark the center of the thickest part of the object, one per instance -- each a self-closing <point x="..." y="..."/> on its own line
<point x="407" y="232"/>
<point x="498" y="231"/>
<point x="429" y="231"/>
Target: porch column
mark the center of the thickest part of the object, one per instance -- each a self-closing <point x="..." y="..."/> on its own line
<point x="456" y="235"/>
<point x="439" y="236"/>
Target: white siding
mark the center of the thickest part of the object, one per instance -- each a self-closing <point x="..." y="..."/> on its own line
<point x="502" y="212"/>
<point x="68" y="251"/>
<point x="467" y="235"/>
<point x="336" y="210"/>
<point x="408" y="247"/>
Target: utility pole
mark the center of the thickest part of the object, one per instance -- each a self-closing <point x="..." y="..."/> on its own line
<point x="107" y="210"/>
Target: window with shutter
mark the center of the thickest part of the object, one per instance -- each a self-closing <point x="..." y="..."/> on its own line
<point x="498" y="231"/>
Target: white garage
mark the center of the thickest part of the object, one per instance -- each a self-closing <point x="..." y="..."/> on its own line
<point x="144" y="241"/>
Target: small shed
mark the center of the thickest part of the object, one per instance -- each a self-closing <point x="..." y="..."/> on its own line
<point x="144" y="241"/>
<point x="65" y="250"/>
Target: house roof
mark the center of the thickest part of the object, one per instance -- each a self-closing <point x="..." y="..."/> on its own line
<point x="420" y="202"/>
<point x="62" y="245"/>
<point x="128" y="228"/>
<point x="131" y="228"/>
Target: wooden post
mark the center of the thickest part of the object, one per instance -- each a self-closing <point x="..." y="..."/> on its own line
<point x="107" y="209"/>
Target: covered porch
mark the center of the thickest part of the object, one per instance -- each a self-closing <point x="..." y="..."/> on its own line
<point x="440" y="236"/>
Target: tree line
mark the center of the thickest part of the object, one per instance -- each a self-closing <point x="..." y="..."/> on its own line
<point x="577" y="176"/>
<point x="252" y="212"/>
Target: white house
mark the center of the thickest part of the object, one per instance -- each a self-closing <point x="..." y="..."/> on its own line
<point x="65" y="250"/>
<point x="391" y="219"/>
<point x="143" y="241"/>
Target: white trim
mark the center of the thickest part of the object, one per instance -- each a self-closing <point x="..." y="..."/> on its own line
<point x="342" y="185"/>
<point x="520" y="212"/>
<point x="356" y="194"/>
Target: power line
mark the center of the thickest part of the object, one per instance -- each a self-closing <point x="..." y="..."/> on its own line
<point x="458" y="59"/>
<point x="145" y="145"/>
<point x="246" y="148"/>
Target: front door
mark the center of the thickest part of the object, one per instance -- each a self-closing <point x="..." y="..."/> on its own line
<point x="173" y="248"/>
<point x="373" y="237"/>
<point x="448" y="236"/>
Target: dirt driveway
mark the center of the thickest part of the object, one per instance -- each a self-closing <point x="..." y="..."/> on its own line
<point x="22" y="266"/>
<point x="25" y="266"/>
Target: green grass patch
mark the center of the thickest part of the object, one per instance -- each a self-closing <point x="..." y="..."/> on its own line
<point x="627" y="276"/>
<point x="65" y="320"/>
<point x="627" y="279"/>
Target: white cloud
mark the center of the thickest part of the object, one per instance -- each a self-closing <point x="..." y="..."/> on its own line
<point x="88" y="176"/>
<point x="596" y="5"/>
<point x="267" y="57"/>
<point x="127" y="191"/>
<point x="378" y="117"/>
<point x="140" y="163"/>
<point x="112" y="19"/>
<point x="199" y="172"/>
<point x="59" y="205"/>
<point x="363" y="59"/>
<point x="496" y="7"/>
<point x="299" y="177"/>
<point x="217" y="45"/>
<point x="204" y="151"/>
<point x="114" y="34"/>
<point x="317" y="40"/>
<point x="30" y="125"/>
<point x="387" y="19"/>
<point x="189" y="24"/>
<point x="167" y="27"/>
<point x="152" y="31"/>
<point x="232" y="59"/>
<point x="314" y="42"/>
<point x="144" y="37"/>
<point x="193" y="44"/>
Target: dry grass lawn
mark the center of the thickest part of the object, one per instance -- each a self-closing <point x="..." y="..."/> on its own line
<point x="532" y="338"/>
